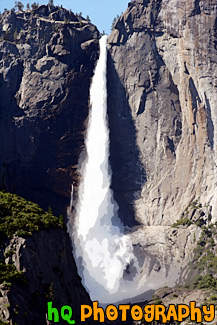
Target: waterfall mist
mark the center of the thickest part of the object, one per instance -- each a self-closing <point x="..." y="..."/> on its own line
<point x="103" y="254"/>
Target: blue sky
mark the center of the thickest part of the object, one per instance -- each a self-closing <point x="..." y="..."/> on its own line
<point x="101" y="12"/>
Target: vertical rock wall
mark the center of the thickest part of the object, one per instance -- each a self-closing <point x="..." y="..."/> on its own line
<point x="46" y="64"/>
<point x="162" y="114"/>
<point x="162" y="82"/>
<point x="50" y="275"/>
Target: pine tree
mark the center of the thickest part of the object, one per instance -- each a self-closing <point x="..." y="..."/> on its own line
<point x="51" y="3"/>
<point x="34" y="5"/>
<point x="19" y="5"/>
<point x="114" y="22"/>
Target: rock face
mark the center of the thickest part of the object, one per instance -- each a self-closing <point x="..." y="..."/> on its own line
<point x="162" y="86"/>
<point x="163" y="121"/>
<point x="47" y="58"/>
<point x="51" y="275"/>
<point x="46" y="63"/>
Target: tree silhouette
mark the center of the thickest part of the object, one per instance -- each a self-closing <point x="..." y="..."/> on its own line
<point x="114" y="21"/>
<point x="19" y="5"/>
<point x="51" y="3"/>
<point x="34" y="5"/>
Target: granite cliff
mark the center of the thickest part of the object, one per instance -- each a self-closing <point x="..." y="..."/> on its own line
<point x="36" y="264"/>
<point x="162" y="84"/>
<point x="47" y="61"/>
<point x="162" y="114"/>
<point x="47" y="58"/>
<point x="50" y="275"/>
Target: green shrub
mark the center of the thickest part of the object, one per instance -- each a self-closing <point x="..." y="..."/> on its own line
<point x="205" y="282"/>
<point x="49" y="292"/>
<point x="9" y="253"/>
<point x="182" y="222"/>
<point x="21" y="217"/>
<point x="213" y="298"/>
<point x="200" y="222"/>
<point x="204" y="260"/>
<point x="9" y="274"/>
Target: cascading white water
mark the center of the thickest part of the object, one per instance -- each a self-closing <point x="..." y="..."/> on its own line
<point x="101" y="250"/>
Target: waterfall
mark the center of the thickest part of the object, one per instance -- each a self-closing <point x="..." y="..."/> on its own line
<point x="102" y="252"/>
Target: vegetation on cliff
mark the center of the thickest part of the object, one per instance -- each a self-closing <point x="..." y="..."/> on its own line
<point x="195" y="213"/>
<point x="21" y="217"/>
<point x="203" y="267"/>
<point x="35" y="269"/>
<point x="200" y="282"/>
<point x="9" y="274"/>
